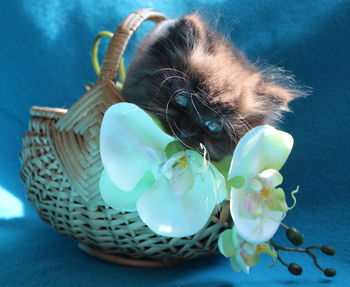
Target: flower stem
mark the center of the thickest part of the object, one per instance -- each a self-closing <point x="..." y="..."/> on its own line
<point x="285" y="226"/>
<point x="280" y="260"/>
<point x="304" y="250"/>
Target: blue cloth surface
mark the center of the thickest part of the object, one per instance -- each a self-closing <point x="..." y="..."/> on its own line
<point x="45" y="61"/>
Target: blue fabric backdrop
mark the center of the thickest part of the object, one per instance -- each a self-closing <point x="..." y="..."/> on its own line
<point x="45" y="60"/>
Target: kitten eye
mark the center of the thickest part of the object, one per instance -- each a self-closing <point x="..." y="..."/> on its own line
<point x="181" y="99"/>
<point x="213" y="126"/>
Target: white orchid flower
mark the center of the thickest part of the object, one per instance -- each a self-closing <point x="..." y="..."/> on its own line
<point x="175" y="194"/>
<point x="242" y="253"/>
<point x="257" y="206"/>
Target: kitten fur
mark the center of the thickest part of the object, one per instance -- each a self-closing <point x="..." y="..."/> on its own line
<point x="184" y="57"/>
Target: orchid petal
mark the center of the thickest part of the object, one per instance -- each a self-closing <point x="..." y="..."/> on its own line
<point x="248" y="248"/>
<point x="120" y="199"/>
<point x="253" y="259"/>
<point x="236" y="182"/>
<point x="255" y="204"/>
<point x="182" y="180"/>
<point x="245" y="254"/>
<point x="261" y="148"/>
<point x="278" y="201"/>
<point x="225" y="243"/>
<point x="255" y="184"/>
<point x="270" y="178"/>
<point x="266" y="249"/>
<point x="234" y="264"/>
<point x="241" y="263"/>
<point x="254" y="229"/>
<point x="170" y="212"/>
<point x="131" y="143"/>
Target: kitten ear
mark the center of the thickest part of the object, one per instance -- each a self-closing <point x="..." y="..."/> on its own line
<point x="186" y="31"/>
<point x="195" y="22"/>
<point x="180" y="37"/>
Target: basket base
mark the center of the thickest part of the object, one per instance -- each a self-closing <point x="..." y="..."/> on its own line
<point x="124" y="260"/>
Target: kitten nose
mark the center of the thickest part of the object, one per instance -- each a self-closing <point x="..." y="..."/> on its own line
<point x="188" y="130"/>
<point x="187" y="134"/>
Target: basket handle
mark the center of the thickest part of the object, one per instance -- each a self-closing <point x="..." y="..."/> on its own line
<point x="120" y="39"/>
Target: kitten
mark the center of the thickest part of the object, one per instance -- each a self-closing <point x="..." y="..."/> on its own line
<point x="201" y="88"/>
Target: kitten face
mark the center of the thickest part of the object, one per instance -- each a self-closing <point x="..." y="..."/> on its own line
<point x="200" y="87"/>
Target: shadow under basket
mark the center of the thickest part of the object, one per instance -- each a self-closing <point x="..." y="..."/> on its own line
<point x="61" y="167"/>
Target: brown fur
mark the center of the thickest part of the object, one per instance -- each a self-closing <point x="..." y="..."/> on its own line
<point x="233" y="80"/>
<point x="218" y="78"/>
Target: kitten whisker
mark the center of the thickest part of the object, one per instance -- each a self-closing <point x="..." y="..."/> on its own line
<point x="172" y="95"/>
<point x="221" y="129"/>
<point x="171" y="69"/>
<point x="244" y="122"/>
<point x="206" y="96"/>
<point x="247" y="129"/>
<point x="178" y="137"/>
<point x="231" y="131"/>
<point x="170" y="124"/>
<point x="210" y="108"/>
<point x="195" y="108"/>
<point x="169" y="78"/>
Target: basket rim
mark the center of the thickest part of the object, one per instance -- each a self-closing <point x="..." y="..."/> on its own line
<point x="47" y="112"/>
<point x="113" y="258"/>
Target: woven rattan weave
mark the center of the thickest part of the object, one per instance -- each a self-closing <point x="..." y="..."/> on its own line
<point x="61" y="168"/>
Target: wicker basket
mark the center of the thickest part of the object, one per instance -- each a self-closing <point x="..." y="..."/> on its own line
<point x="61" y="168"/>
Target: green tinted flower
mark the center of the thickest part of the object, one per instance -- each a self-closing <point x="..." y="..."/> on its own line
<point x="242" y="254"/>
<point x="174" y="191"/>
<point x="257" y="205"/>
